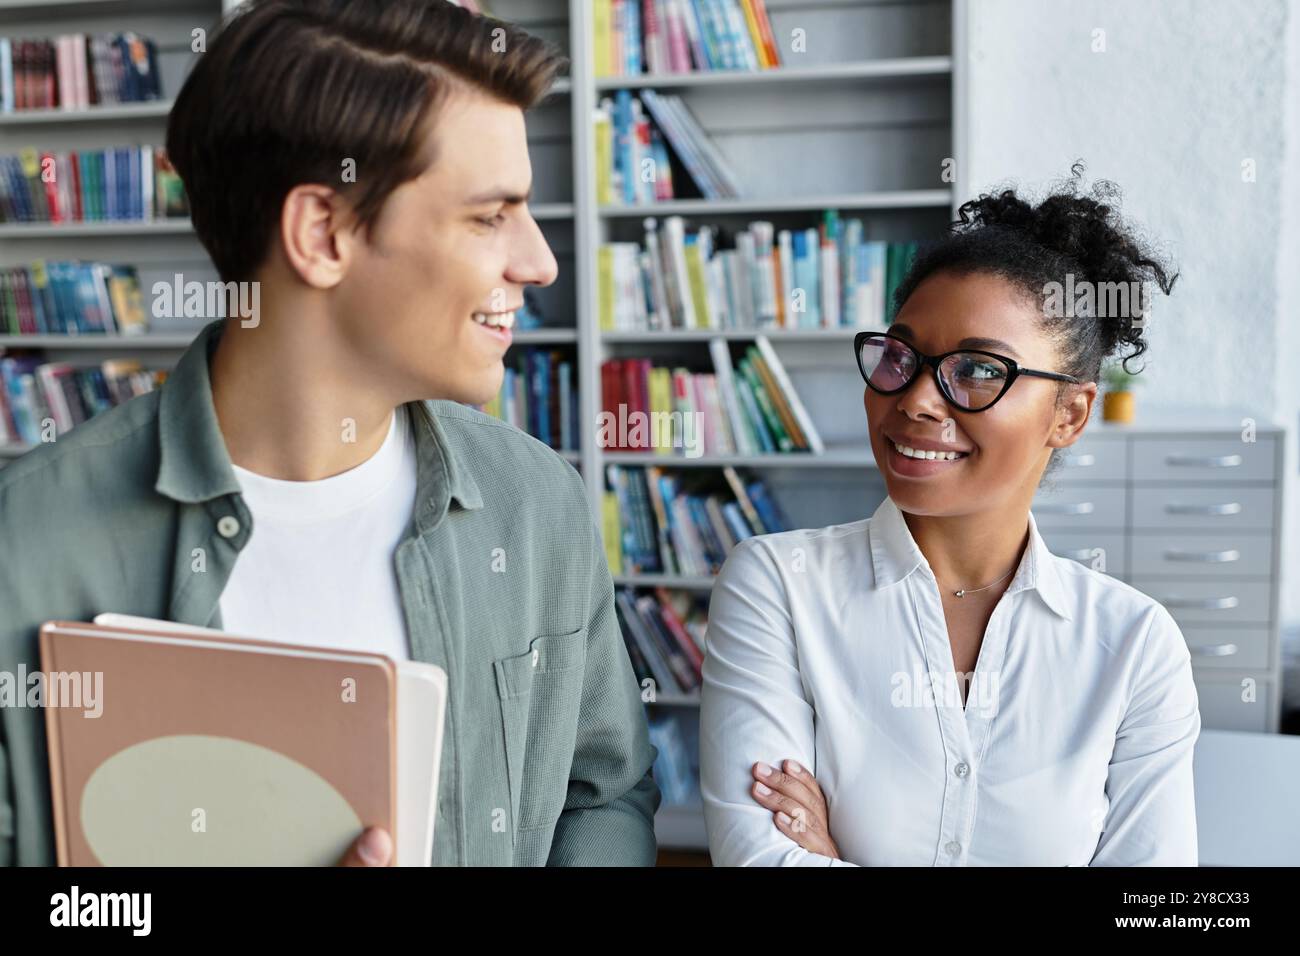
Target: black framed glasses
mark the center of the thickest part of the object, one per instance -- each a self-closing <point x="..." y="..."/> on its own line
<point x="970" y="379"/>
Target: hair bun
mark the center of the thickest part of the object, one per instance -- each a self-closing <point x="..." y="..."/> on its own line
<point x="1094" y="247"/>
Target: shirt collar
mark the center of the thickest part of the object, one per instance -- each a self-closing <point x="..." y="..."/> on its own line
<point x="194" y="465"/>
<point x="895" y="555"/>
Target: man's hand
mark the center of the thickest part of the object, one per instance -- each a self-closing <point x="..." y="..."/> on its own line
<point x="798" y="807"/>
<point x="373" y="848"/>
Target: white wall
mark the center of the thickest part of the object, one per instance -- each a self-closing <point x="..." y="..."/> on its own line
<point x="1184" y="91"/>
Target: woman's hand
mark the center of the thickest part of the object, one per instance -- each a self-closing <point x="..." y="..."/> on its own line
<point x="794" y="797"/>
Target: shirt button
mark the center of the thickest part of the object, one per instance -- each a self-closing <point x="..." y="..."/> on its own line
<point x="962" y="769"/>
<point x="536" y="656"/>
<point x="953" y="848"/>
<point x="228" y="526"/>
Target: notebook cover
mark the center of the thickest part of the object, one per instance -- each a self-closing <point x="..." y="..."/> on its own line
<point x="217" y="752"/>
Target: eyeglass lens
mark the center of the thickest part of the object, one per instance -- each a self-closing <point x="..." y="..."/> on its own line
<point x="970" y="380"/>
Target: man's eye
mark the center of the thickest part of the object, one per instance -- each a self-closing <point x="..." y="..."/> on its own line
<point x="492" y="221"/>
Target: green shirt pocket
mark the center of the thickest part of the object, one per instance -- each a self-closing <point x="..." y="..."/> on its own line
<point x="540" y="692"/>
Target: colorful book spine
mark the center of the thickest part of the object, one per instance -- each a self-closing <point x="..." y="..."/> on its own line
<point x="668" y="523"/>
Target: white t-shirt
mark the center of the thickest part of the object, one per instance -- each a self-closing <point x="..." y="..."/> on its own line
<point x="319" y="568"/>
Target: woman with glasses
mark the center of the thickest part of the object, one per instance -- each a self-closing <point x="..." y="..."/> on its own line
<point x="931" y="686"/>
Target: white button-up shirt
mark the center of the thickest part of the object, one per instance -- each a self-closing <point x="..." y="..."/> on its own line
<point x="829" y="647"/>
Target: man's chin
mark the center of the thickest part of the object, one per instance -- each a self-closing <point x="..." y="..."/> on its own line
<point x="478" y="392"/>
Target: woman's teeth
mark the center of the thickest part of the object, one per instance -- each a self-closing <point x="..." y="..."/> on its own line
<point x="495" y="320"/>
<point x="936" y="455"/>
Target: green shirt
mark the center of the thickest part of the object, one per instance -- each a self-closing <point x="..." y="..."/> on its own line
<point x="503" y="583"/>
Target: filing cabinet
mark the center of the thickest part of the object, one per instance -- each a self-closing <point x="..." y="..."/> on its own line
<point x="1187" y="508"/>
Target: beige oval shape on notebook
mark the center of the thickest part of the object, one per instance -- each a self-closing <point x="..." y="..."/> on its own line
<point x="260" y="808"/>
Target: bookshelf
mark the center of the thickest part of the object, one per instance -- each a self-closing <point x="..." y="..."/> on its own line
<point x="858" y="123"/>
<point x="157" y="248"/>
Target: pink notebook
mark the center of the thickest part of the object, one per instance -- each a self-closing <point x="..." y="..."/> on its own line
<point x="211" y="749"/>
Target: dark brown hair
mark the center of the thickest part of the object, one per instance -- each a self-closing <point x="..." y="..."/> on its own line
<point x="290" y="89"/>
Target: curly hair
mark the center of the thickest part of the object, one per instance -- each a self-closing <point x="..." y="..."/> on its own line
<point x="1067" y="240"/>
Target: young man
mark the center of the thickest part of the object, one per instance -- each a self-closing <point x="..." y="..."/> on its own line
<point x="307" y="474"/>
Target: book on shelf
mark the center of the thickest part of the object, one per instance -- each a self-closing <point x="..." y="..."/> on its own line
<point x="681" y="36"/>
<point x="75" y="71"/>
<point x="633" y="135"/>
<point x="676" y="738"/>
<point x="664" y="631"/>
<point x="34" y="392"/>
<point x="539" y="395"/>
<point x="830" y="277"/>
<point x="746" y="408"/>
<point x="530" y="315"/>
<point x="132" y="183"/>
<point x="674" y="524"/>
<point x="48" y="297"/>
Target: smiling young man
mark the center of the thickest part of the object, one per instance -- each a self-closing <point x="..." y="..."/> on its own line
<point x="366" y="164"/>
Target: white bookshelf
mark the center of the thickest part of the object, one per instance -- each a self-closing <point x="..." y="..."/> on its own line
<point x="26" y="231"/>
<point x="117" y="112"/>
<point x="157" y="248"/>
<point x="859" y="124"/>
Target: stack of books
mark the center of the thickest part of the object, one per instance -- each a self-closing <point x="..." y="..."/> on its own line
<point x="34" y="392"/>
<point x="654" y="524"/>
<point x="538" y="395"/>
<point x="75" y="71"/>
<point x="632" y="162"/>
<point x="664" y="632"/>
<point x="823" y="278"/>
<point x="751" y="408"/>
<point x="680" y="36"/>
<point x="90" y="185"/>
<point x="71" y="298"/>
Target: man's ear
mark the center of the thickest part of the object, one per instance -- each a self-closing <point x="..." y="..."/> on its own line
<point x="1072" y="414"/>
<point x="315" y="231"/>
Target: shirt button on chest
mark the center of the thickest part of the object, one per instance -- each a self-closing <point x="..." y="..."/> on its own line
<point x="953" y="848"/>
<point x="228" y="526"/>
<point x="962" y="770"/>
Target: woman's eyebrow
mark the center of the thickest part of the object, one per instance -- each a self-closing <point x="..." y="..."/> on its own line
<point x="974" y="342"/>
<point x="992" y="345"/>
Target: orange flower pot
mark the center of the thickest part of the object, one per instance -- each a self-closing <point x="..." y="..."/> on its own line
<point x="1118" y="407"/>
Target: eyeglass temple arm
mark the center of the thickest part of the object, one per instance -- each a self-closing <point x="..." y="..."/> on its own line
<point x="1057" y="376"/>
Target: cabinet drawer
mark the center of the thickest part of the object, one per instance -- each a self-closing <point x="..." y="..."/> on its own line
<point x="1100" y="550"/>
<point x="1095" y="459"/>
<point x="1201" y="459"/>
<point x="1245" y="554"/>
<point x="1222" y="707"/>
<point x="1071" y="506"/>
<point x="1203" y="507"/>
<point x="1198" y="601"/>
<point x="1218" y="648"/>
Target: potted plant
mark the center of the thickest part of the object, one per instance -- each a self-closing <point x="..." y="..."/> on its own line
<point x="1117" y="401"/>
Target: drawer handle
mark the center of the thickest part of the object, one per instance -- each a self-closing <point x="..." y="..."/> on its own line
<point x="1065" y="508"/>
<point x="1082" y="554"/>
<point x="1208" y="557"/>
<point x="1201" y="604"/>
<point x="1215" y="650"/>
<point x="1203" y="461"/>
<point x="1227" y="508"/>
<point x="1080" y="461"/>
